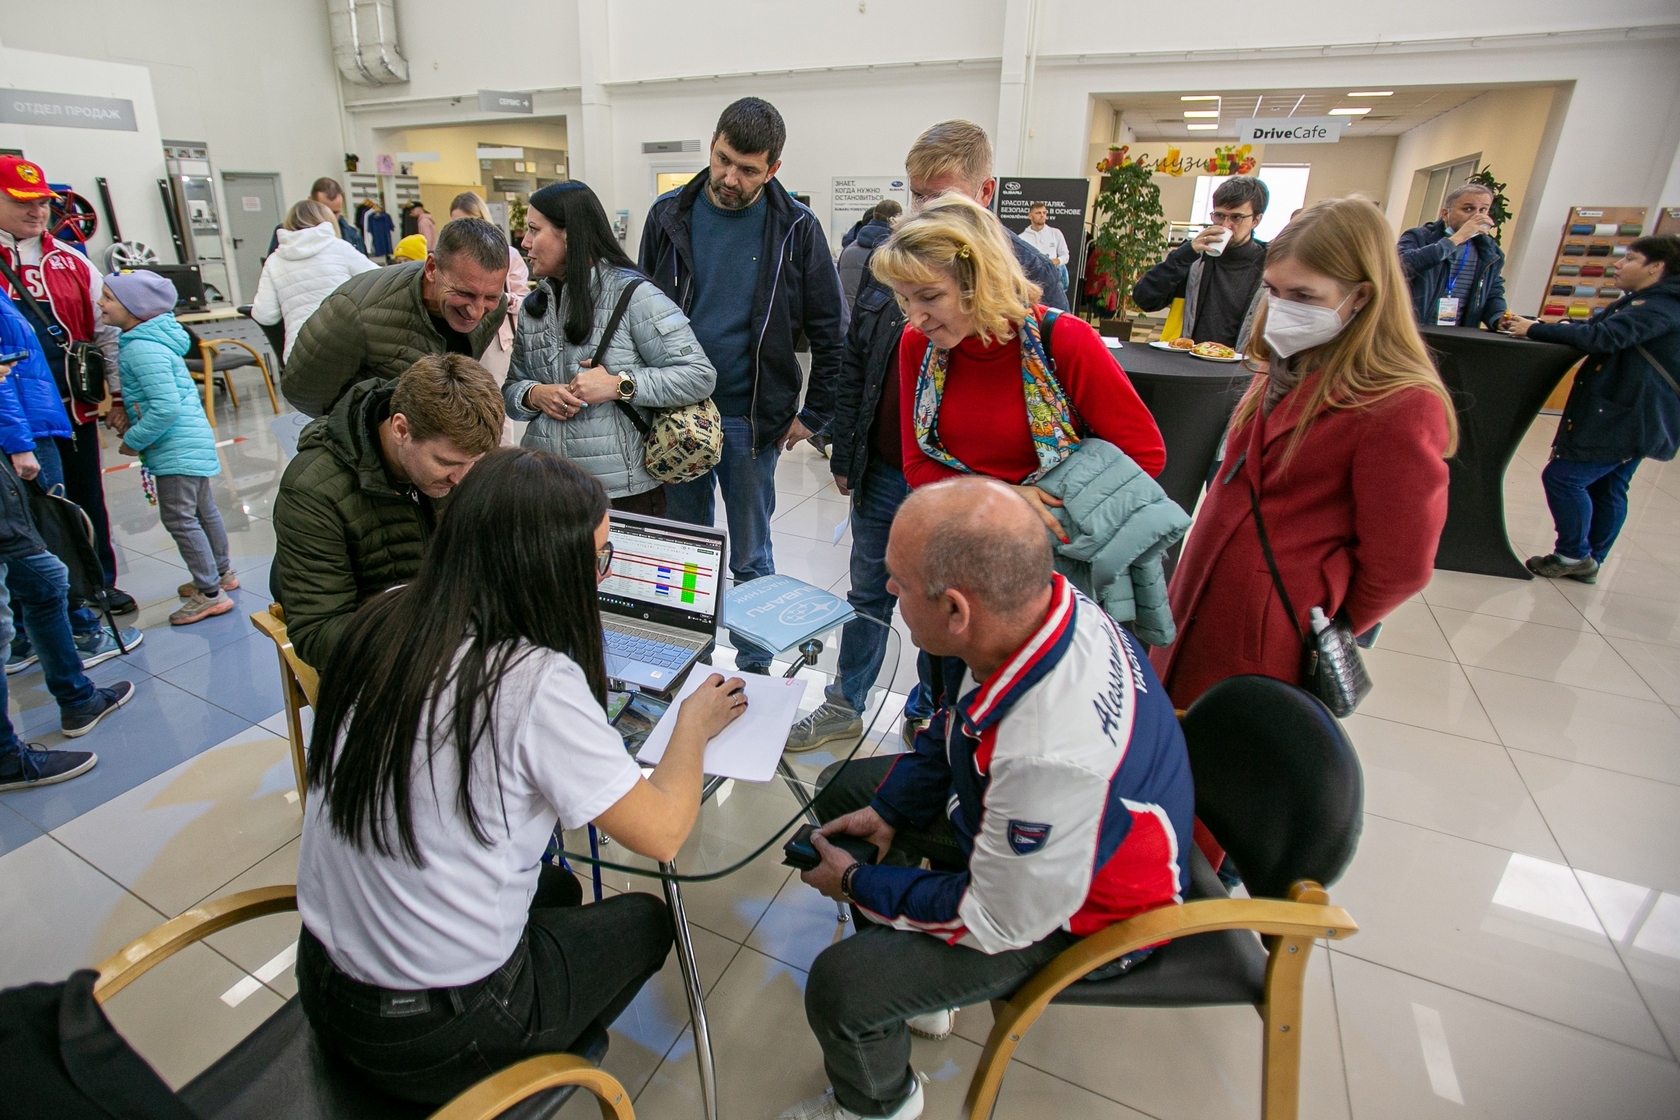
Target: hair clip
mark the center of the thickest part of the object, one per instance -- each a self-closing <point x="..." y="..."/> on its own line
<point x="963" y="252"/>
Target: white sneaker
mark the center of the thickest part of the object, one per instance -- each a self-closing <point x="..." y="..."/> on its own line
<point x="826" y="1107"/>
<point x="934" y="1025"/>
<point x="828" y="723"/>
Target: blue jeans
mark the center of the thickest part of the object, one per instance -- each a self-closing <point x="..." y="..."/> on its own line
<point x="1589" y="504"/>
<point x="749" y="501"/>
<point x="875" y="500"/>
<point x="37" y="585"/>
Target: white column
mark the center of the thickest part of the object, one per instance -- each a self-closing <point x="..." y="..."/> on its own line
<point x="591" y="139"/>
<point x="1009" y="141"/>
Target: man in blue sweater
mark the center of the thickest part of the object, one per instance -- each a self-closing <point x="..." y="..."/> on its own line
<point x="750" y="267"/>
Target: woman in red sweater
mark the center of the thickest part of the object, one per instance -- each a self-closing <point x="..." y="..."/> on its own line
<point x="1342" y="436"/>
<point x="976" y="393"/>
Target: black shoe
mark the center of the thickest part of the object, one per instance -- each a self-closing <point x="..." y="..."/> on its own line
<point x="36" y="766"/>
<point x="761" y="670"/>
<point x="120" y="602"/>
<point x="104" y="702"/>
<point x="1552" y="566"/>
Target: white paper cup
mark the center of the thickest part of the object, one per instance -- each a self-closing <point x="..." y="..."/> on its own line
<point x="1218" y="247"/>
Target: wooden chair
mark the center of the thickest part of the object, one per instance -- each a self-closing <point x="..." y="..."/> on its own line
<point x="280" y="1072"/>
<point x="1279" y="787"/>
<point x="299" y="683"/>
<point x="212" y="361"/>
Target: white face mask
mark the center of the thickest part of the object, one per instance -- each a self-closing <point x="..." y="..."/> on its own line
<point x="1292" y="327"/>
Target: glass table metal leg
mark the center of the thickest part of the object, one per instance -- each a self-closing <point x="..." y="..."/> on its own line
<point x="693" y="990"/>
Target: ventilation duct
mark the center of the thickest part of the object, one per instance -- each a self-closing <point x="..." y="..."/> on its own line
<point x="364" y="37"/>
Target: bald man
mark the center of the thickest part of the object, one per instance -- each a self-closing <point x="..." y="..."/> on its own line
<point x="1051" y="792"/>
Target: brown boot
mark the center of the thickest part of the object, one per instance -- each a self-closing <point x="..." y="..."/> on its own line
<point x="198" y="608"/>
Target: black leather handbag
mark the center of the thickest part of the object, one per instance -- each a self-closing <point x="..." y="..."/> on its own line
<point x="84" y="362"/>
<point x="1331" y="666"/>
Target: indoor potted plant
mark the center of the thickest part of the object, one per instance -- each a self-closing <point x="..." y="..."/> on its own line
<point x="1128" y="238"/>
<point x="1500" y="211"/>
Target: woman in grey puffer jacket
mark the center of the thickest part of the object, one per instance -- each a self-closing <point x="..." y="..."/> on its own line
<point x="653" y="360"/>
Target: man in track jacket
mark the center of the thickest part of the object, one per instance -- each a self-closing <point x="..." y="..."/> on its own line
<point x="750" y="267"/>
<point x="1051" y="792"/>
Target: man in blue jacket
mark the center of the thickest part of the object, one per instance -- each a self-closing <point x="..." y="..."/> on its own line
<point x="1453" y="266"/>
<point x="1624" y="407"/>
<point x="701" y="243"/>
<point x="1051" y="794"/>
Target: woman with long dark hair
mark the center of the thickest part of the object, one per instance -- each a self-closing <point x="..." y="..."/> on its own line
<point x="461" y="717"/>
<point x="653" y="361"/>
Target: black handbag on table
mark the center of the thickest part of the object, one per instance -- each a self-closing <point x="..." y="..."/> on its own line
<point x="84" y="362"/>
<point x="1331" y="666"/>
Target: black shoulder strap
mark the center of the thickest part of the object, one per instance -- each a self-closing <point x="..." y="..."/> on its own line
<point x="619" y="309"/>
<point x="1658" y="366"/>
<point x="22" y="290"/>
<point x="1271" y="563"/>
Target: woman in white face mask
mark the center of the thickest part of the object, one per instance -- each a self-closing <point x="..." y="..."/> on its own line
<point x="1341" y="437"/>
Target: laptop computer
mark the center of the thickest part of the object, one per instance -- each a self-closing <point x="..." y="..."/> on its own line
<point x="660" y="603"/>
<point x="188" y="281"/>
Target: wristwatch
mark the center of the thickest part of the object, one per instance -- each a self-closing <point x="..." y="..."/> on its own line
<point x="626" y="387"/>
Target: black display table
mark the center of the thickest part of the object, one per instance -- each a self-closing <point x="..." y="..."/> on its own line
<point x="1191" y="400"/>
<point x="1498" y="384"/>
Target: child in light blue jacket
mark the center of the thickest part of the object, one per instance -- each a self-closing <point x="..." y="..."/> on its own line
<point x="168" y="430"/>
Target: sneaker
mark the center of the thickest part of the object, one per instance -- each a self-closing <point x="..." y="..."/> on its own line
<point x="198" y="608"/>
<point x="99" y="648"/>
<point x="826" y="1107"/>
<point x="18" y="662"/>
<point x="935" y="1024"/>
<point x="120" y="602"/>
<point x="104" y="702"/>
<point x="761" y="670"/>
<point x="1551" y="566"/>
<point x="38" y="766"/>
<point x="909" y="730"/>
<point x="229" y="582"/>
<point x="828" y="723"/>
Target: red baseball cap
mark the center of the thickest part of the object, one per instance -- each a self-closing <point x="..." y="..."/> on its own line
<point x="23" y="180"/>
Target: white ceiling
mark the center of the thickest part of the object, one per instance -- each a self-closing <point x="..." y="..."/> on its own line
<point x="1160" y="116"/>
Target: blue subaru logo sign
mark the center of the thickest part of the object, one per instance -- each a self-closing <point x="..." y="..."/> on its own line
<point x="1027" y="837"/>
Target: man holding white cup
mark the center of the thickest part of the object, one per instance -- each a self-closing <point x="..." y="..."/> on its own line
<point x="1216" y="273"/>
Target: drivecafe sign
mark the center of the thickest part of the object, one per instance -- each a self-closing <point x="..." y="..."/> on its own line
<point x="1291" y="130"/>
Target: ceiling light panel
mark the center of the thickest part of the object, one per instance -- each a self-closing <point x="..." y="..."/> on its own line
<point x="1201" y="113"/>
<point x="1359" y="112"/>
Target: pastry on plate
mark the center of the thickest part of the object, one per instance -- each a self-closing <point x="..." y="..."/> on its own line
<point x="1212" y="350"/>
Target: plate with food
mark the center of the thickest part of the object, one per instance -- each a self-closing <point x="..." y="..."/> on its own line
<point x="1215" y="352"/>
<point x="1180" y="344"/>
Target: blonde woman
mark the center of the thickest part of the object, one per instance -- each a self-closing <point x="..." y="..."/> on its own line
<point x="1341" y="439"/>
<point x="978" y="393"/>
<point x="469" y="205"/>
<point x="310" y="264"/>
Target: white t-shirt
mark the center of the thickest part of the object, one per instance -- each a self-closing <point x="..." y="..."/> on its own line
<point x="1048" y="241"/>
<point x="387" y="922"/>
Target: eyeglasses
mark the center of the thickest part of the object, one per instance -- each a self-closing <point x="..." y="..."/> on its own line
<point x="603" y="561"/>
<point x="1227" y="216"/>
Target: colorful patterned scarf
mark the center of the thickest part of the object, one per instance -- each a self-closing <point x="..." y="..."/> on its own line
<point x="1049" y="415"/>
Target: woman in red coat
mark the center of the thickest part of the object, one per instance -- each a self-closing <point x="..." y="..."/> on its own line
<point x="1342" y="435"/>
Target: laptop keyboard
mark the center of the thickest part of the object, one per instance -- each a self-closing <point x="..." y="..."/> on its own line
<point x="634" y="645"/>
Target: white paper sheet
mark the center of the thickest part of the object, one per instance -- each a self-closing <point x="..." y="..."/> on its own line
<point x="747" y="749"/>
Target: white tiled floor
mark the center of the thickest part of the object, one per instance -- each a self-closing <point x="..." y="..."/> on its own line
<point x="1517" y="883"/>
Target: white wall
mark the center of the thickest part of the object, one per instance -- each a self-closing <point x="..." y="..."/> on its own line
<point x="132" y="162"/>
<point x="252" y="79"/>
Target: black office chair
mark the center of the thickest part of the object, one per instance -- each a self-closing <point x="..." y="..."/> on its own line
<point x="279" y="1071"/>
<point x="1280" y="788"/>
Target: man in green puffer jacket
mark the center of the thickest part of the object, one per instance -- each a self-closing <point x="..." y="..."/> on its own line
<point x="379" y="323"/>
<point x="357" y="506"/>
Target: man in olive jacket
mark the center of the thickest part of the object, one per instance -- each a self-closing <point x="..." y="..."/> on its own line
<point x="378" y="323"/>
<point x="358" y="504"/>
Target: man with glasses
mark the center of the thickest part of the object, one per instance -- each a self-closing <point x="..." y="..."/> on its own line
<point x="381" y="322"/>
<point x="1216" y="273"/>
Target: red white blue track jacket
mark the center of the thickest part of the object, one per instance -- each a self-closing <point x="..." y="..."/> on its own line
<point x="1066" y="781"/>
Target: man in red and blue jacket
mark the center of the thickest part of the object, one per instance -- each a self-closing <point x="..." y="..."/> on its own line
<point x="1051" y="793"/>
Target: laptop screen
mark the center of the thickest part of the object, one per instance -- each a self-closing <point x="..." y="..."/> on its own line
<point x="664" y="571"/>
